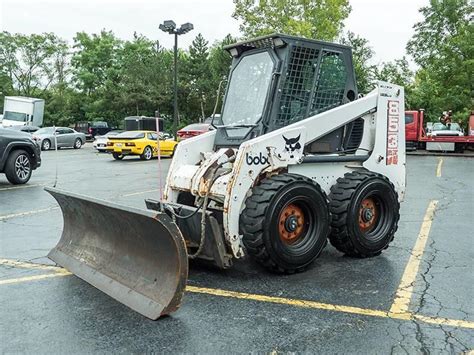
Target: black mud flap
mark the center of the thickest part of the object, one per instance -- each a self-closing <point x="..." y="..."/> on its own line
<point x="137" y="257"/>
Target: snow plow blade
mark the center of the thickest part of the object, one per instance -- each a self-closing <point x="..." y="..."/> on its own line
<point x="138" y="257"/>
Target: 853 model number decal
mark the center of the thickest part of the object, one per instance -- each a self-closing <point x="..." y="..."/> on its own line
<point x="393" y="128"/>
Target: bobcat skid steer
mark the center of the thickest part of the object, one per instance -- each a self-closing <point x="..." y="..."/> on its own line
<point x="296" y="158"/>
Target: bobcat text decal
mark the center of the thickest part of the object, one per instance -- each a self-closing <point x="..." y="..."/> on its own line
<point x="257" y="160"/>
<point x="393" y="126"/>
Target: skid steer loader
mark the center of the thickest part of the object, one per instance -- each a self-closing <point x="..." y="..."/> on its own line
<point x="297" y="157"/>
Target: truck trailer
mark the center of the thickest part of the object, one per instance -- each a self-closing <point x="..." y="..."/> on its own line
<point x="22" y="111"/>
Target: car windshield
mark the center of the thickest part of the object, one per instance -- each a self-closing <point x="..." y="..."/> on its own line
<point x="247" y="92"/>
<point x="46" y="130"/>
<point x="130" y="135"/>
<point x="442" y="127"/>
<point x="15" y="116"/>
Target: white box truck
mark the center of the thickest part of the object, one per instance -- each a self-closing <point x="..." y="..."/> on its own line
<point x="22" y="111"/>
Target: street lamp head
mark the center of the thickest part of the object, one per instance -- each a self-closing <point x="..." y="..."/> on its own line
<point x="185" y="28"/>
<point x="168" y="26"/>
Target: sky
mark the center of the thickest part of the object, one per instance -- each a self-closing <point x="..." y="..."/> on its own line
<point x="387" y="24"/>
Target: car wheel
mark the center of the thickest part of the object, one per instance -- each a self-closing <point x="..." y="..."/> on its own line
<point x="174" y="151"/>
<point x="117" y="156"/>
<point x="18" y="167"/>
<point x="46" y="145"/>
<point x="147" y="153"/>
<point x="77" y="143"/>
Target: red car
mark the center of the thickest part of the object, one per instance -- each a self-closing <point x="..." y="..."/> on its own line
<point x="192" y="130"/>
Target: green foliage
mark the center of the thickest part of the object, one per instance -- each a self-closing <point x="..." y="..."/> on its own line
<point x="104" y="78"/>
<point x="28" y="62"/>
<point x="318" y="19"/>
<point x="362" y="55"/>
<point x="444" y="49"/>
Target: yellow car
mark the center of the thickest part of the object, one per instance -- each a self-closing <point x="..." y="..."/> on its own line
<point x="141" y="143"/>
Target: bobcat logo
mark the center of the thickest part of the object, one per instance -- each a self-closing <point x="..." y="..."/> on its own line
<point x="292" y="144"/>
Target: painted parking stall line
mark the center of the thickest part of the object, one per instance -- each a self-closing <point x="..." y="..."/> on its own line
<point x="28" y="213"/>
<point x="406" y="316"/>
<point x="404" y="293"/>
<point x="438" y="167"/>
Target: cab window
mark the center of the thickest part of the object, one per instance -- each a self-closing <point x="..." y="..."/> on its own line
<point x="152" y="136"/>
<point x="408" y="118"/>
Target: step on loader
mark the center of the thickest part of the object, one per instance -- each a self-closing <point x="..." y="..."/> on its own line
<point x="296" y="158"/>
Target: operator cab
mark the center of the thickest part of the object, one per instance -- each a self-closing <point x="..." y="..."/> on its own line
<point x="278" y="80"/>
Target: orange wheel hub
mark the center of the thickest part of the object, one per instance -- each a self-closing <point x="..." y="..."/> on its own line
<point x="368" y="214"/>
<point x="291" y="223"/>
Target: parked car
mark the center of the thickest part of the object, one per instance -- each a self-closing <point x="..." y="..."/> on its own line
<point x="27" y="129"/>
<point x="100" y="142"/>
<point x="66" y="137"/>
<point x="141" y="143"/>
<point x="451" y="129"/>
<point x="192" y="130"/>
<point x="19" y="155"/>
<point x="93" y="128"/>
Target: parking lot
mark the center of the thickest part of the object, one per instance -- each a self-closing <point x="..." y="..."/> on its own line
<point x="414" y="298"/>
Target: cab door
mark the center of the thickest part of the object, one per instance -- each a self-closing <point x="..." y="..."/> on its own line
<point x="153" y="137"/>
<point x="411" y="127"/>
<point x="65" y="137"/>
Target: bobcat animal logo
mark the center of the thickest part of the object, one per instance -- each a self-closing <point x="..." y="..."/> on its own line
<point x="292" y="144"/>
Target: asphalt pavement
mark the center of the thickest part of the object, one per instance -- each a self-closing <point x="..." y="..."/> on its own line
<point x="416" y="297"/>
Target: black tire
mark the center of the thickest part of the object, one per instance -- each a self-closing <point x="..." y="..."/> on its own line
<point x="364" y="213"/>
<point x="147" y="153"/>
<point x="78" y="143"/>
<point x="174" y="151"/>
<point x="46" y="144"/>
<point x="117" y="156"/>
<point x="270" y="214"/>
<point x="18" y="167"/>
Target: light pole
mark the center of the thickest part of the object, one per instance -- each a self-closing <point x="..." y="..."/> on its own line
<point x="170" y="27"/>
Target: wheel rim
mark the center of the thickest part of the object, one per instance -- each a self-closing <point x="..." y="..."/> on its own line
<point x="368" y="214"/>
<point x="22" y="166"/>
<point x="291" y="223"/>
<point x="46" y="145"/>
<point x="78" y="143"/>
<point x="148" y="153"/>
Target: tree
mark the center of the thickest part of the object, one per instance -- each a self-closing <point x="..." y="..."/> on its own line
<point x="319" y="19"/>
<point x="197" y="70"/>
<point x="362" y="55"/>
<point x="220" y="62"/>
<point x="442" y="46"/>
<point x="399" y="72"/>
<point x="27" y="61"/>
<point x="94" y="60"/>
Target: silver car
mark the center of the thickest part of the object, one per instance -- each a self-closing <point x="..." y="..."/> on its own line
<point x="66" y="137"/>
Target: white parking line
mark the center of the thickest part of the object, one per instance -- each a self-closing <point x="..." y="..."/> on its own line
<point x="27" y="213"/>
<point x="21" y="187"/>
